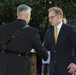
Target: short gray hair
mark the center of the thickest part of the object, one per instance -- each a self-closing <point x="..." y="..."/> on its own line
<point x="23" y="7"/>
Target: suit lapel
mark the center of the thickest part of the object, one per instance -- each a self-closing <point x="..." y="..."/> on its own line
<point x="52" y="35"/>
<point x="60" y="34"/>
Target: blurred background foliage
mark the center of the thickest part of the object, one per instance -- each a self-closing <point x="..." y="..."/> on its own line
<point x="39" y="17"/>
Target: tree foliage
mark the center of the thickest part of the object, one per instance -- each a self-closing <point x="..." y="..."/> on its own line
<point x="39" y="17"/>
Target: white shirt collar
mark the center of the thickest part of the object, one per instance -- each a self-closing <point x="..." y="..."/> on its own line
<point x="59" y="27"/>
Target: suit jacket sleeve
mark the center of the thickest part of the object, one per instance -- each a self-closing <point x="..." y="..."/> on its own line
<point x="73" y="39"/>
<point x="37" y="45"/>
<point x="46" y="40"/>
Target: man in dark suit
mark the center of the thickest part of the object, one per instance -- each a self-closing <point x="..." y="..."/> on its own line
<point x="16" y="41"/>
<point x="61" y="49"/>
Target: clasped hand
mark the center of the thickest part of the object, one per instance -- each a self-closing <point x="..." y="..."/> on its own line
<point x="72" y="68"/>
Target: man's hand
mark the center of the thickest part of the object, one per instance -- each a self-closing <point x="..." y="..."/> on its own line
<point x="72" y="68"/>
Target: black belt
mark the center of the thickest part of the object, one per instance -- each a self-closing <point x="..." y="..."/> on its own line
<point x="13" y="52"/>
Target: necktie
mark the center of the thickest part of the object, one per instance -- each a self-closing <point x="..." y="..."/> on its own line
<point x="55" y="34"/>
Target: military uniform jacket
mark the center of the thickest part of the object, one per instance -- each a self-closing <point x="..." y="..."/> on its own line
<point x="12" y="64"/>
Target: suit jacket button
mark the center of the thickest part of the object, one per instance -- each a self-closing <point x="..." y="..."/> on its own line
<point x="55" y="51"/>
<point x="54" y="61"/>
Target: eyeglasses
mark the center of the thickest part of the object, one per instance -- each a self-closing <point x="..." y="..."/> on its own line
<point x="51" y="17"/>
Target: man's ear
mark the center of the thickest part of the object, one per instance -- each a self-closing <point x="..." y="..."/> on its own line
<point x="27" y="15"/>
<point x="61" y="16"/>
